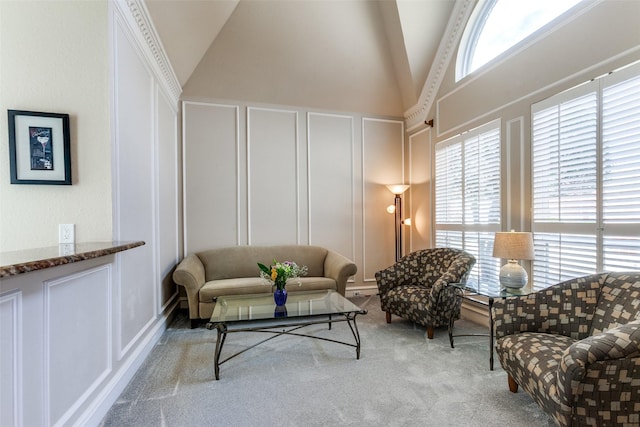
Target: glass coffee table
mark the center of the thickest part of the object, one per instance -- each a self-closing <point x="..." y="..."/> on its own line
<point x="465" y="291"/>
<point x="258" y="313"/>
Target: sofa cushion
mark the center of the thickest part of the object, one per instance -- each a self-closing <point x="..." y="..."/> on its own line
<point x="619" y="302"/>
<point x="311" y="284"/>
<point x="240" y="286"/>
<point x="532" y="358"/>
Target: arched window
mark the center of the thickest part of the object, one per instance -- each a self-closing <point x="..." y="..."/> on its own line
<point x="497" y="25"/>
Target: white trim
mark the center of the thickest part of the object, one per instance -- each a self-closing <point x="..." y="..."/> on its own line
<point x="416" y="115"/>
<point x="140" y="24"/>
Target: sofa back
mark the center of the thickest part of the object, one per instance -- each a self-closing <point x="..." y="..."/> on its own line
<point x="242" y="261"/>
<point x="618" y="302"/>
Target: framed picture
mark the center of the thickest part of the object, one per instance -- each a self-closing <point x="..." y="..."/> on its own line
<point x="39" y="148"/>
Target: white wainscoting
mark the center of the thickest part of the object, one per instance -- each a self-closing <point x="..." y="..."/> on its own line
<point x="134" y="175"/>
<point x="11" y="362"/>
<point x="262" y="175"/>
<point x="77" y="340"/>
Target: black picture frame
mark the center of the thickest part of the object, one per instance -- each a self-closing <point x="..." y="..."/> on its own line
<point x="39" y="148"/>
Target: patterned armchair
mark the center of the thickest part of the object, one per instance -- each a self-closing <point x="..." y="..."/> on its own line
<point x="415" y="288"/>
<point x="575" y="348"/>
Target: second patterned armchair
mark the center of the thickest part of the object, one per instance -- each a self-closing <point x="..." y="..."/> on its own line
<point x="415" y="288"/>
<point x="575" y="348"/>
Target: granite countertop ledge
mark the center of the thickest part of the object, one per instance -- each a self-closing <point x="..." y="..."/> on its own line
<point x="24" y="261"/>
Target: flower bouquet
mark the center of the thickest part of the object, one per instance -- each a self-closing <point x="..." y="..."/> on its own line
<point x="277" y="275"/>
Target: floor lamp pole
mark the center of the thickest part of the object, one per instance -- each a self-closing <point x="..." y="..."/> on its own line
<point x="397" y="190"/>
<point x="398" y="218"/>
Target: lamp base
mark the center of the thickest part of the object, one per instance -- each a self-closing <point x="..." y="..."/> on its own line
<point x="512" y="275"/>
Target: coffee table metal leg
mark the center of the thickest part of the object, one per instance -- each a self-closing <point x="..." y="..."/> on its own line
<point x="490" y="334"/>
<point x="450" y="328"/>
<point x="222" y="335"/>
<point x="354" y="330"/>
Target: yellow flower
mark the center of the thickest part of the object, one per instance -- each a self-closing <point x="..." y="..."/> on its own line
<point x="274" y="274"/>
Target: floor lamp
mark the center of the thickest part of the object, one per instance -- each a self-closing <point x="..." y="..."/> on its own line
<point x="397" y="189"/>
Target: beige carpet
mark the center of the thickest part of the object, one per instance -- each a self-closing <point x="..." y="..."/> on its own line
<point x="401" y="379"/>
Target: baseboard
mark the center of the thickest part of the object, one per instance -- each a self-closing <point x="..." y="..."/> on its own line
<point x="361" y="291"/>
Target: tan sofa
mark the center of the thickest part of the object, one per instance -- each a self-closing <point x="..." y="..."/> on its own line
<point x="234" y="270"/>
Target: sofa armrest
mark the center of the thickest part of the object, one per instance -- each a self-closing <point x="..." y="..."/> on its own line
<point x="190" y="274"/>
<point x="339" y="268"/>
<point x="566" y="309"/>
<point x="610" y="357"/>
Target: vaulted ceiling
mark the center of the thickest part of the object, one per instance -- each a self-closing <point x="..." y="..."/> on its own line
<point x="378" y="51"/>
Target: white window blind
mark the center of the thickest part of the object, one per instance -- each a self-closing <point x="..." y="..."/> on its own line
<point x="468" y="198"/>
<point x="586" y="179"/>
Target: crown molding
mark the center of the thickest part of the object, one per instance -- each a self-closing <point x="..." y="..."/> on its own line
<point x="137" y="17"/>
<point x="416" y="116"/>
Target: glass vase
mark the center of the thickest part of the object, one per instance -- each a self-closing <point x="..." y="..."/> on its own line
<point x="280" y="296"/>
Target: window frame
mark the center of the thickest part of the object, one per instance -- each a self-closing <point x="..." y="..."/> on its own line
<point x="476" y="24"/>
<point x="476" y="237"/>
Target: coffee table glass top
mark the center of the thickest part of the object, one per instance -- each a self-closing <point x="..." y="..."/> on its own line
<point x="239" y="308"/>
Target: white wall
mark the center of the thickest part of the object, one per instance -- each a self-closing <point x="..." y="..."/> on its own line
<point x="73" y="336"/>
<point x="264" y="174"/>
<point x="330" y="55"/>
<point x="55" y="59"/>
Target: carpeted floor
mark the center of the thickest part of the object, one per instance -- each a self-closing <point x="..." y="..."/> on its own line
<point x="401" y="379"/>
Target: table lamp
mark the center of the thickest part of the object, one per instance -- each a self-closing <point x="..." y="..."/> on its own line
<point x="513" y="246"/>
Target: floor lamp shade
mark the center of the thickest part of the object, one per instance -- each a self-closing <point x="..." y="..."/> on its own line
<point x="513" y="246"/>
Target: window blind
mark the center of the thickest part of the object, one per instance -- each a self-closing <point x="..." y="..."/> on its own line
<point x="467" y="170"/>
<point x="586" y="180"/>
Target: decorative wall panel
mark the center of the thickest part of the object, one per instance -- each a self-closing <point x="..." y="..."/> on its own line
<point x="134" y="203"/>
<point x="72" y="329"/>
<point x="420" y="208"/>
<point x="167" y="202"/>
<point x="331" y="176"/>
<point x="210" y="166"/>
<point x="272" y="163"/>
<point x="383" y="164"/>
<point x="291" y="176"/>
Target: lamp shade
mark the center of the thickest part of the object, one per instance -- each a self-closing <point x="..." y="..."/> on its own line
<point x="398" y="188"/>
<point x="513" y="245"/>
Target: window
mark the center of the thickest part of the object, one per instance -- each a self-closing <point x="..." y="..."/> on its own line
<point x="497" y="25"/>
<point x="586" y="180"/>
<point x="468" y="198"/>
